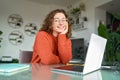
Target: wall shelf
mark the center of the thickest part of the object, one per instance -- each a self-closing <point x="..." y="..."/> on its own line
<point x="78" y="22"/>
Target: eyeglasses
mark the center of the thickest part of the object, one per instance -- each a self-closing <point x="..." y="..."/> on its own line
<point x="56" y="20"/>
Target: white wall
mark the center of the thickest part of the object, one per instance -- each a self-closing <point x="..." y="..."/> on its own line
<point x="30" y="12"/>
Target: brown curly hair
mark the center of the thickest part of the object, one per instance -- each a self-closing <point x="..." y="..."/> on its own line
<point x="47" y="24"/>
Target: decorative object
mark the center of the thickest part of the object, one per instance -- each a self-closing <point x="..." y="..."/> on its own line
<point x="82" y="6"/>
<point x="112" y="52"/>
<point x="15" y="21"/>
<point x="1" y="38"/>
<point x="6" y="59"/>
<point x="78" y="23"/>
<point x="31" y="29"/>
<point x="16" y="38"/>
<point x="76" y="19"/>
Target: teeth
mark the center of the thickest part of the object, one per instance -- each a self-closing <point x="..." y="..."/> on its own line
<point x="60" y="27"/>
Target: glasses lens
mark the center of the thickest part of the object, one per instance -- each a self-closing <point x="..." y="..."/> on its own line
<point x="58" y="20"/>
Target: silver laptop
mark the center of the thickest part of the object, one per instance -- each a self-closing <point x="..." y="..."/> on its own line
<point x="93" y="59"/>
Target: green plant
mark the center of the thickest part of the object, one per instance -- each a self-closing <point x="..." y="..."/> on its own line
<point x="15" y="60"/>
<point x="75" y="10"/>
<point x="1" y="38"/>
<point x="1" y="32"/>
<point x="112" y="51"/>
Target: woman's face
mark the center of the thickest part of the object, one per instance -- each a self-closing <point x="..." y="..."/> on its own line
<point x="59" y="23"/>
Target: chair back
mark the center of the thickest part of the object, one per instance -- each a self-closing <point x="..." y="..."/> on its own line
<point x="25" y="56"/>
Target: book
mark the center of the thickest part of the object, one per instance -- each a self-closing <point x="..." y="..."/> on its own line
<point x="9" y="69"/>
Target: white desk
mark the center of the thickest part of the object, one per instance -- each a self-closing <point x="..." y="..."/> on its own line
<point x="43" y="72"/>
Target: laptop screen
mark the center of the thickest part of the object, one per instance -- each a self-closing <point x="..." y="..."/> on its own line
<point x="78" y="48"/>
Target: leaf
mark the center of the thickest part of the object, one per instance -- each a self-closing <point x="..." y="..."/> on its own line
<point x="118" y="57"/>
<point x="117" y="16"/>
<point x="118" y="29"/>
<point x="75" y="10"/>
<point x="102" y="31"/>
<point x="1" y="32"/>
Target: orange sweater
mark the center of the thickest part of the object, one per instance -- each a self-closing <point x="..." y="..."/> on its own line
<point x="51" y="50"/>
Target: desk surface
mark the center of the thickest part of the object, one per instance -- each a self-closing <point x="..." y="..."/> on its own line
<point x="43" y="72"/>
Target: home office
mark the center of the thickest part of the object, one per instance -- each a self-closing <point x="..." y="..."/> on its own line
<point x="26" y="21"/>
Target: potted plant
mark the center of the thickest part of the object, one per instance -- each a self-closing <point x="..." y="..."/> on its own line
<point x="75" y="11"/>
<point x="0" y="32"/>
<point x="112" y="51"/>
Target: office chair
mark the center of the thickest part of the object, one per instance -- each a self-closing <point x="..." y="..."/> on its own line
<point x="25" y="56"/>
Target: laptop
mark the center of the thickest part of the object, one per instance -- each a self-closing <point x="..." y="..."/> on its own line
<point x="93" y="59"/>
<point x="78" y="54"/>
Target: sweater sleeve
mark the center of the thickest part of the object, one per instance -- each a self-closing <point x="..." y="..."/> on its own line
<point x="64" y="48"/>
<point x="43" y="49"/>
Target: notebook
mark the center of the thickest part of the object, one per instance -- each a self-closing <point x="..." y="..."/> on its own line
<point x="93" y="59"/>
<point x="9" y="69"/>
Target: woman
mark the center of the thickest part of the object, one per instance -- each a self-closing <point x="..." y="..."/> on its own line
<point x="52" y="44"/>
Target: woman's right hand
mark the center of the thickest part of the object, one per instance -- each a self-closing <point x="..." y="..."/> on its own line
<point x="65" y="29"/>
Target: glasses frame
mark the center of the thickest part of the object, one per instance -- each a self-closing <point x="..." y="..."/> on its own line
<point x="57" y="20"/>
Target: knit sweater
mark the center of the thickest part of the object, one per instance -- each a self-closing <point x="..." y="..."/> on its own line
<point x="51" y="50"/>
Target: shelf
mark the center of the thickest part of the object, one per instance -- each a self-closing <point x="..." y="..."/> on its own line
<point x="78" y="27"/>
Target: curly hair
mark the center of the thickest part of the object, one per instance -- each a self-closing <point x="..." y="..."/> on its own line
<point x="47" y="23"/>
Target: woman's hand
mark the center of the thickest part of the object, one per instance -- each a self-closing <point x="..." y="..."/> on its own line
<point x="65" y="29"/>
